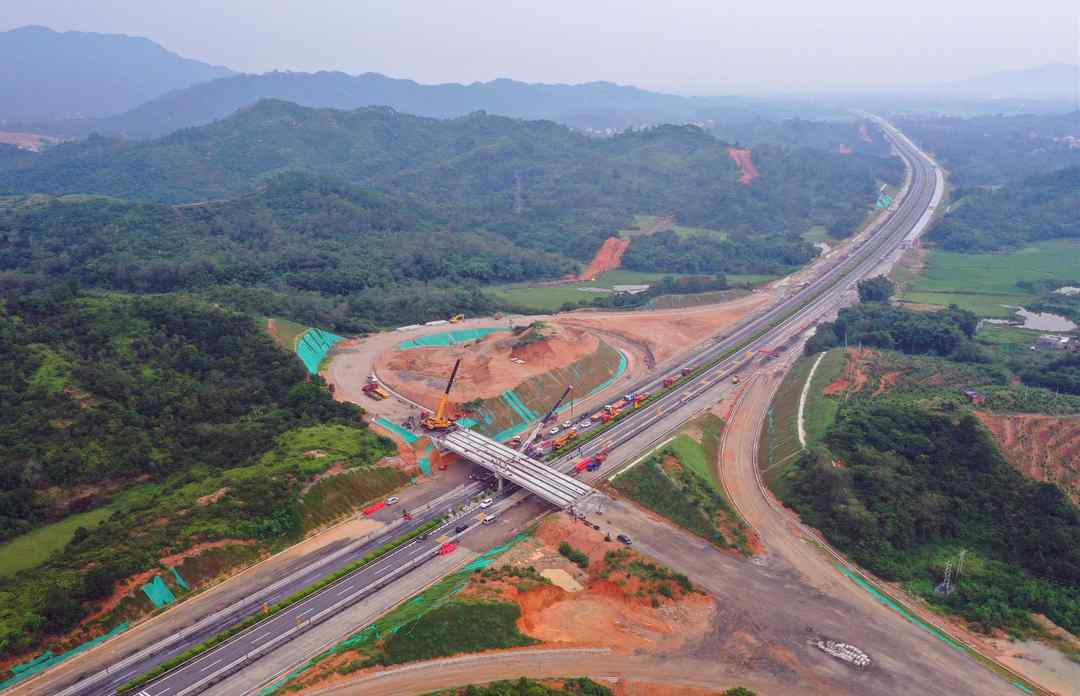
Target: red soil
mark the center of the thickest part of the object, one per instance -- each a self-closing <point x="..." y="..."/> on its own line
<point x="26" y="141"/>
<point x="1044" y="448"/>
<point x="854" y="376"/>
<point x="486" y="371"/>
<point x="888" y="381"/>
<point x="745" y="161"/>
<point x="608" y="258"/>
<point x="609" y="611"/>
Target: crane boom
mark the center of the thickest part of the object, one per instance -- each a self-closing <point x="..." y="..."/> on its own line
<point x="438" y="420"/>
<point x="546" y="419"/>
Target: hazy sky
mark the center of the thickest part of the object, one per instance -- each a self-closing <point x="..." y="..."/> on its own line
<point x="690" y="46"/>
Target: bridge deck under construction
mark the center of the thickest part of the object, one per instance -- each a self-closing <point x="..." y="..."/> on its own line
<point x="540" y="479"/>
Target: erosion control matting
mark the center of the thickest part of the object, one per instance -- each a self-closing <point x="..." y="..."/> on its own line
<point x="449" y="338"/>
<point x="312" y="347"/>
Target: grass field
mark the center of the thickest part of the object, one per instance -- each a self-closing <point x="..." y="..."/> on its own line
<point x="821" y="410"/>
<point x="34" y="548"/>
<point x="985" y="283"/>
<point x="779" y="447"/>
<point x="645" y="222"/>
<point x="817" y="233"/>
<point x="688" y="494"/>
<point x="288" y="331"/>
<point x="549" y="298"/>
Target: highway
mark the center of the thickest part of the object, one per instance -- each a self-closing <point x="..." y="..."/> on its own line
<point x="786" y="319"/>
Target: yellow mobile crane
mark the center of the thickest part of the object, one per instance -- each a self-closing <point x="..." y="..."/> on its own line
<point x="439" y="419"/>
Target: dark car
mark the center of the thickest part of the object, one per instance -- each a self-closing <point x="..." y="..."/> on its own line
<point x="625" y="539"/>
<point x="460" y="528"/>
<point x="423" y="536"/>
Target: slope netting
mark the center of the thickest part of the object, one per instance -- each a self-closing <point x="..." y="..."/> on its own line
<point x="158" y="592"/>
<point x="449" y="338"/>
<point x="312" y="347"/>
<point x="47" y="659"/>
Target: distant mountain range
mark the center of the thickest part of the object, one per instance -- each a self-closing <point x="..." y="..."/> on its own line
<point x="52" y="75"/>
<point x="1054" y="81"/>
<point x="592" y="105"/>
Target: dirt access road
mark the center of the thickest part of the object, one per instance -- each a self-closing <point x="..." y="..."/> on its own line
<point x="790" y="545"/>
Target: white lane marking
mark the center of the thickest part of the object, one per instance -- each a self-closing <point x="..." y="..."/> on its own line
<point x="210" y="665"/>
<point x="259" y="639"/>
<point x="343" y="590"/>
<point x="306" y="611"/>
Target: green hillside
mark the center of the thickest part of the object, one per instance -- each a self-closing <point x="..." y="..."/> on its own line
<point x="135" y="428"/>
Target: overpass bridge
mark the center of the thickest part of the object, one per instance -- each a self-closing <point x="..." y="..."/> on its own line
<point x="540" y="479"/>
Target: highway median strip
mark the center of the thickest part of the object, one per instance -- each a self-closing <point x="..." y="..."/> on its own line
<point x="274" y="609"/>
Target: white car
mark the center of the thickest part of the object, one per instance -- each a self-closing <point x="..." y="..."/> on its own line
<point x="393" y="500"/>
<point x="486" y="503"/>
<point x="584" y="425"/>
<point x="554" y="431"/>
<point x="568" y="424"/>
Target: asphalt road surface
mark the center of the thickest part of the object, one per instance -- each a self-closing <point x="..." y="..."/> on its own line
<point x="783" y="321"/>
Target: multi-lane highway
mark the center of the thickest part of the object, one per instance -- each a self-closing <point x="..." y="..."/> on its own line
<point x="793" y="314"/>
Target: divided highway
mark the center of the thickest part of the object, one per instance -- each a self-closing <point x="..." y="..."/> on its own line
<point x="722" y="357"/>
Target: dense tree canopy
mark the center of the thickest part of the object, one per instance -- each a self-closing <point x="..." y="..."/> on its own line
<point x="106" y="389"/>
<point x="898" y="480"/>
<point x="883" y="326"/>
<point x="1036" y="209"/>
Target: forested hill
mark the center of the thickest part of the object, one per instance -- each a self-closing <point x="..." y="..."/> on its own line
<point x="298" y="233"/>
<point x="1039" y="208"/>
<point x="992" y="150"/>
<point x="494" y="171"/>
<point x="588" y="105"/>
<point x="73" y="74"/>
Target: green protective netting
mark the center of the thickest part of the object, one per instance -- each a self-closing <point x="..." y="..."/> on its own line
<point x="312" y="347"/>
<point x="467" y="422"/>
<point x="397" y="429"/>
<point x="46" y="659"/>
<point x="887" y="601"/>
<point x="449" y="338"/>
<point x="424" y="461"/>
<point x="179" y="579"/>
<point x="158" y="592"/>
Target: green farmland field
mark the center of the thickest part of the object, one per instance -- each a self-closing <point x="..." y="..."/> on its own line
<point x="986" y="283"/>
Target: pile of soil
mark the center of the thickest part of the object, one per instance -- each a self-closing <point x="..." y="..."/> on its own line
<point x="665" y="333"/>
<point x="486" y="367"/>
<point x="613" y="609"/>
<point x="1045" y="448"/>
<point x="744" y="159"/>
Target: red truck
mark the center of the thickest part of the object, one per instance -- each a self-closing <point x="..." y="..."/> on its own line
<point x="590" y="463"/>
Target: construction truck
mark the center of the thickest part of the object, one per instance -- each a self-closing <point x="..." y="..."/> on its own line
<point x="457" y="318"/>
<point x="670" y="380"/>
<point x="590" y="463"/>
<point x="440" y="420"/>
<point x="560" y="441"/>
<point x="640" y="398"/>
<point x="617" y="406"/>
<point x="374" y="391"/>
